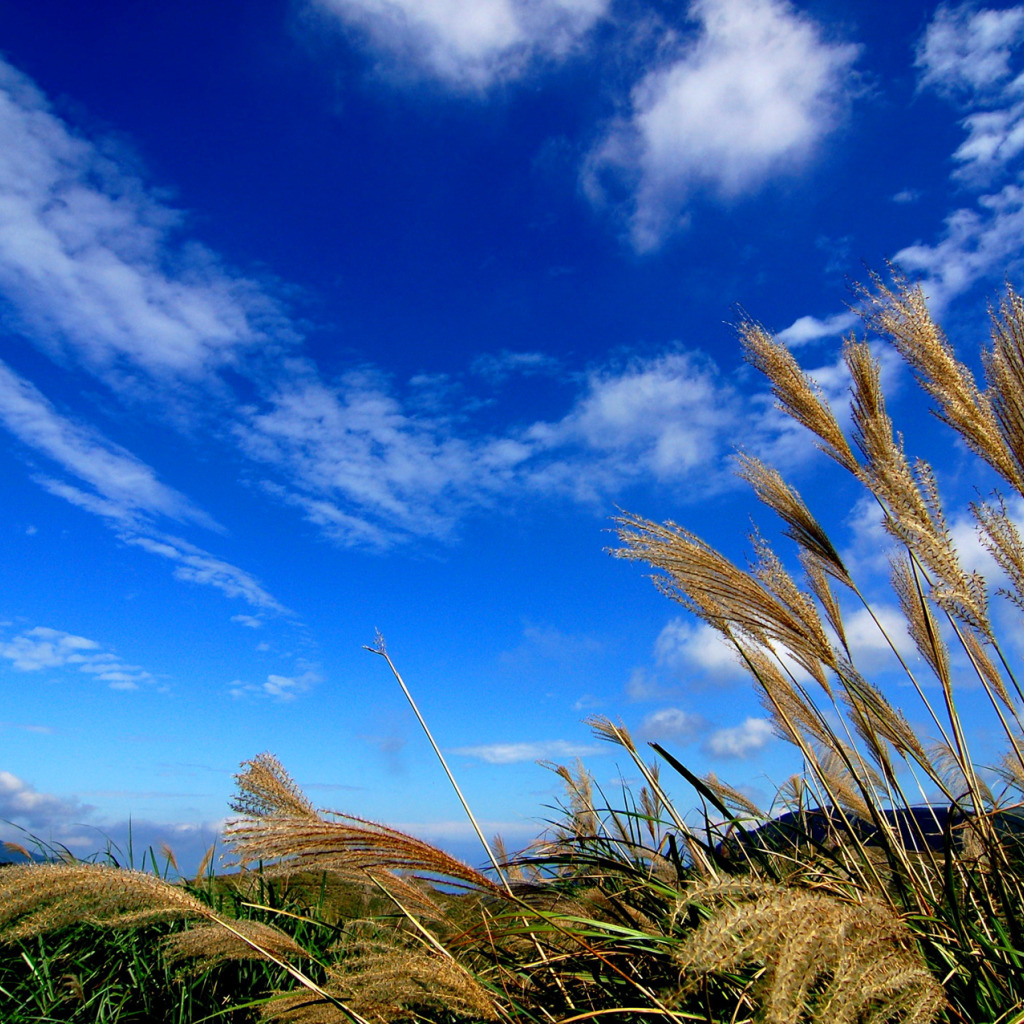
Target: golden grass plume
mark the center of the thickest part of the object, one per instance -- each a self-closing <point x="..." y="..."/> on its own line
<point x="823" y="959"/>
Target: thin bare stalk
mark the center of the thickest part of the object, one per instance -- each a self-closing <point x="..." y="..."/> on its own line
<point x="380" y="648"/>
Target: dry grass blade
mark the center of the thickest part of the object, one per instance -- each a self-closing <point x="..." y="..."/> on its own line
<point x="796" y="393"/>
<point x="1004" y="370"/>
<point x="208" y="944"/>
<point x="801" y="610"/>
<point x="849" y="782"/>
<point x="950" y="768"/>
<point x="795" y="718"/>
<point x="581" y="820"/>
<point x="910" y="497"/>
<point x="921" y="624"/>
<point x="817" y="581"/>
<point x="875" y="715"/>
<point x="351" y="846"/>
<point x="386" y="981"/>
<point x="729" y="599"/>
<point x="37" y="898"/>
<point x="786" y="502"/>
<point x="266" y="790"/>
<point x="822" y="959"/>
<point x="732" y="797"/>
<point x="1003" y="541"/>
<point x="901" y="313"/>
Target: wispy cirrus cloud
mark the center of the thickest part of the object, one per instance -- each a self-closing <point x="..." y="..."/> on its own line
<point x="517" y="753"/>
<point x="468" y="47"/>
<point x="127" y="494"/>
<point x="368" y="471"/>
<point x="124" y="481"/>
<point x="277" y="687"/>
<point x="89" y="264"/>
<point x="42" y="648"/>
<point x="364" y="460"/>
<point x="750" y="97"/>
<point x="972" y="57"/>
<point x="976" y="242"/>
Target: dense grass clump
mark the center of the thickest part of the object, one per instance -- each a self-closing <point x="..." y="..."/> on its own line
<point x="853" y="899"/>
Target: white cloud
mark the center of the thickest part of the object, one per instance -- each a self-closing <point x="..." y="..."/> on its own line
<point x="672" y="723"/>
<point x="515" y="753"/>
<point x="994" y="139"/>
<point x="869" y="637"/>
<point x="975" y="243"/>
<point x="498" y="367"/>
<point x="45" y="648"/>
<point x="195" y="565"/>
<point x="250" y="621"/>
<point x="642" y="686"/>
<point x="469" y="46"/>
<point x="751" y="97"/>
<point x="967" y="49"/>
<point x="971" y="57"/>
<point x="128" y="484"/>
<point x="671" y="417"/>
<point x="87" y="260"/>
<point x="277" y="687"/>
<point x="26" y="806"/>
<point x="359" y="464"/>
<point x="806" y="329"/>
<point x="689" y="648"/>
<point x="740" y="740"/>
<point x="367" y="465"/>
<point x="369" y="472"/>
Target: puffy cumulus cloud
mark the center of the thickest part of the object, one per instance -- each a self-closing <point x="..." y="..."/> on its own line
<point x="45" y="648"/>
<point x="672" y="724"/>
<point x="750" y="97"/>
<point x="516" y="753"/>
<point x="696" y="652"/>
<point x="88" y="263"/>
<point x="468" y="46"/>
<point x="871" y="636"/>
<point x="807" y="329"/>
<point x="740" y="740"/>
<point x="966" y="49"/>
<point x="24" y="805"/>
<point x="671" y="418"/>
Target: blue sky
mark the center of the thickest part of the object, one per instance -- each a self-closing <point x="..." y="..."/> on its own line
<point x="319" y="317"/>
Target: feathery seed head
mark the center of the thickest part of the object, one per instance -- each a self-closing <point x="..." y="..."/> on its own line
<point x="266" y="790"/>
<point x="820" y="957"/>
<point x="37" y="898"/>
<point x="796" y="393"/>
<point x="209" y="944"/>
